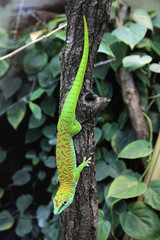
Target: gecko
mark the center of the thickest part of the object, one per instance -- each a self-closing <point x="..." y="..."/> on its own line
<point x="68" y="126"/>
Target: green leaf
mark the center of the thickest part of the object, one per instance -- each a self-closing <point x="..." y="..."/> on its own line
<point x="155" y="44"/>
<point x="140" y="222"/>
<point x="45" y="145"/>
<point x="152" y="194"/>
<point x="132" y="35"/>
<point x="23" y="227"/>
<point x="104" y="48"/>
<point x="24" y="91"/>
<point x="142" y="17"/>
<point x="36" y="110"/>
<point x="109" y="130"/>
<point x="1" y="192"/>
<point x="43" y="156"/>
<point x="45" y="77"/>
<point x="97" y="134"/>
<point x="123" y="118"/>
<point x="49" y="105"/>
<point x="134" y="62"/>
<point x="16" y="114"/>
<point x="50" y="162"/>
<point x="101" y="186"/>
<point x="100" y="72"/>
<point x="23" y="202"/>
<point x="155" y="67"/>
<point x="4" y="104"/>
<point x="3" y="155"/>
<point x="35" y="161"/>
<point x="28" y="168"/>
<point x="108" y="156"/>
<point x="4" y="66"/>
<point x="145" y="43"/>
<point x="6" y="220"/>
<point x="116" y="168"/>
<point x="142" y="76"/>
<point x="53" y="141"/>
<point x="136" y="149"/>
<point x="41" y="175"/>
<point x="3" y="38"/>
<point x="49" y="131"/>
<point x="122" y="138"/>
<point x="119" y="49"/>
<point x="43" y="212"/>
<point x="156" y="92"/>
<point x="143" y="94"/>
<point x="35" y="123"/>
<point x="30" y="154"/>
<point x="53" y="46"/>
<point x="10" y="85"/>
<point x="102" y="171"/>
<point x="110" y="39"/>
<point x="104" y="89"/>
<point x="32" y="135"/>
<point x="20" y="178"/>
<point x="35" y="61"/>
<point x="124" y="187"/>
<point x="61" y="35"/>
<point x="104" y="227"/>
<point x="54" y="66"/>
<point x="37" y="94"/>
<point x="156" y="21"/>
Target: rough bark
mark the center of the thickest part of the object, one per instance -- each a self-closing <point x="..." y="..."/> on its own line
<point x="79" y="221"/>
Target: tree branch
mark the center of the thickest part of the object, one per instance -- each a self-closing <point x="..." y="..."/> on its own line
<point x="31" y="43"/>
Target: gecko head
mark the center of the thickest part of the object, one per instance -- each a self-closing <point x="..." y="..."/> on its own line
<point x="61" y="203"/>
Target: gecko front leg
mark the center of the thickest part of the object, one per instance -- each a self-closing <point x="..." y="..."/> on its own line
<point x="79" y="169"/>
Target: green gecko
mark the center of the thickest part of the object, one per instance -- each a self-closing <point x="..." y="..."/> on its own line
<point x="68" y="126"/>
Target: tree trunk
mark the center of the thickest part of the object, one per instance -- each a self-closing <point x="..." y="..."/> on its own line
<point x="79" y="221"/>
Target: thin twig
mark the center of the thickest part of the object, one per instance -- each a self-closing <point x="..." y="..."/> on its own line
<point x="31" y="43"/>
<point x="104" y="62"/>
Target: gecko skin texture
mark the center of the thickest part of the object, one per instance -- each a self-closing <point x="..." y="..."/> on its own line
<point x="68" y="126"/>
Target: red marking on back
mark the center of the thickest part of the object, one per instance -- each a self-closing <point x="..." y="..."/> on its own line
<point x="58" y="158"/>
<point x="64" y="139"/>
<point x="63" y="154"/>
<point x="60" y="135"/>
<point x="61" y="146"/>
<point x="62" y="164"/>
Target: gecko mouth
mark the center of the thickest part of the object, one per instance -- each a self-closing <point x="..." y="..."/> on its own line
<point x="61" y="207"/>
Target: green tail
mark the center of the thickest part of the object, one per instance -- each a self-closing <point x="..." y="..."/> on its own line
<point x="69" y="107"/>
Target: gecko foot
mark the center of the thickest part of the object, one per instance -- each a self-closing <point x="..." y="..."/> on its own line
<point x="88" y="161"/>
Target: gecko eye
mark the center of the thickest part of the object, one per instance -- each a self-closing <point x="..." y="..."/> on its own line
<point x="65" y="201"/>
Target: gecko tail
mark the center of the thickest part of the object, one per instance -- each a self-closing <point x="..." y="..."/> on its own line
<point x="69" y="107"/>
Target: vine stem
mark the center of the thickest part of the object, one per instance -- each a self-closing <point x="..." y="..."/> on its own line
<point x="151" y="146"/>
<point x="112" y="217"/>
<point x="31" y="43"/>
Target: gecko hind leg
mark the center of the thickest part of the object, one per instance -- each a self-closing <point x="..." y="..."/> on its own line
<point x="79" y="169"/>
<point x="76" y="128"/>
